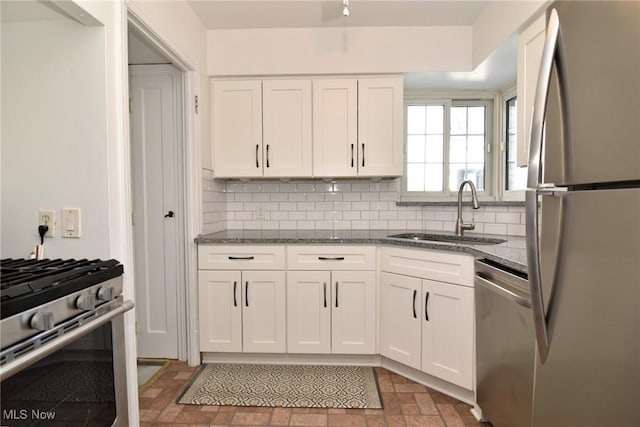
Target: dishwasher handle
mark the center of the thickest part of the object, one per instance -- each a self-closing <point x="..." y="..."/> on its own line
<point x="501" y="290"/>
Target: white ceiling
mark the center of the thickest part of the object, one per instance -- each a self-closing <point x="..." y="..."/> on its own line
<point x="237" y="14"/>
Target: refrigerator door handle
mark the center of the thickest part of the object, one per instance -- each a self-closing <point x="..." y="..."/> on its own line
<point x="534" y="180"/>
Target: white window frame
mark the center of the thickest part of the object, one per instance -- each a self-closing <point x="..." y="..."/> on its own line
<point x="450" y="99"/>
<point x="506" y="195"/>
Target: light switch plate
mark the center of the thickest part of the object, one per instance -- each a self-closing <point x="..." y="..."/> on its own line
<point x="70" y="222"/>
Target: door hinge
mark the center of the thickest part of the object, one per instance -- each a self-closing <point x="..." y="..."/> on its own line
<point x="130" y="105"/>
<point x="196" y="104"/>
<point x="133" y="219"/>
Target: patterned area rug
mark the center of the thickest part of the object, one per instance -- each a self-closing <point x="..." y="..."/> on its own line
<point x="291" y="386"/>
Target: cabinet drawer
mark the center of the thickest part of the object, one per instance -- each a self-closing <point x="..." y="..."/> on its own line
<point x="240" y="257"/>
<point x="331" y="257"/>
<point x="443" y="267"/>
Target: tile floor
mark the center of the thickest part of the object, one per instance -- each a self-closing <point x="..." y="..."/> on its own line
<point x="406" y="404"/>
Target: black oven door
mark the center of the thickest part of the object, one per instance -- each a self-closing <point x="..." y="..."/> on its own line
<point x="79" y="383"/>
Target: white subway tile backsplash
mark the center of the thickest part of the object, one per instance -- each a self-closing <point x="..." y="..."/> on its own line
<point x="495" y="228"/>
<point x="343" y="204"/>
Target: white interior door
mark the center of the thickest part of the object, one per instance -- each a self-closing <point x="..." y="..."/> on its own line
<point x="159" y="264"/>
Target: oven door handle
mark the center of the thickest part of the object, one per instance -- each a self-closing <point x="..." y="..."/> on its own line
<point x="16" y="365"/>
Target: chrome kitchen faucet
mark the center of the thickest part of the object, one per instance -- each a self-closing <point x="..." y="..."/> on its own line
<point x="460" y="225"/>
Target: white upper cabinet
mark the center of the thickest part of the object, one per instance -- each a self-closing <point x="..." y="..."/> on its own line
<point x="237" y="128"/>
<point x="335" y="127"/>
<point x="262" y="128"/>
<point x="328" y="127"/>
<point x="380" y="127"/>
<point x="286" y="141"/>
<point x="530" y="45"/>
<point x="357" y="127"/>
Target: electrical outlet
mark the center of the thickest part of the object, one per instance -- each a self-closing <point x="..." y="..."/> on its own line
<point x="48" y="217"/>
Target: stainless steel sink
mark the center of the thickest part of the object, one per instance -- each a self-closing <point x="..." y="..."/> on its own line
<point x="432" y="237"/>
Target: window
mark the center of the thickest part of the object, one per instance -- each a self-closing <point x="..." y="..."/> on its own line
<point x="447" y="142"/>
<point x="515" y="177"/>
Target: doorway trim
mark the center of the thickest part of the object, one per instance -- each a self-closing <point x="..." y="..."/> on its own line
<point x="188" y="348"/>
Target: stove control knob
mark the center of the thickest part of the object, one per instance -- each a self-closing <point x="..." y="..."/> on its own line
<point x="42" y="321"/>
<point x="86" y="302"/>
<point x="105" y="294"/>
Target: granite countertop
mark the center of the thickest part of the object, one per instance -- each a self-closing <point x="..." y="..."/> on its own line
<point x="511" y="253"/>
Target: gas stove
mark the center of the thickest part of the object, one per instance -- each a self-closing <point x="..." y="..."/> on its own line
<point x="36" y="295"/>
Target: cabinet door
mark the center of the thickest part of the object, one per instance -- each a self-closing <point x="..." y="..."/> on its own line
<point x="220" y="311"/>
<point x="237" y="128"/>
<point x="400" y="318"/>
<point x="263" y="312"/>
<point x="447" y="332"/>
<point x="286" y="110"/>
<point x="530" y="45"/>
<point x="335" y="122"/>
<point x="353" y="312"/>
<point x="380" y="126"/>
<point x="309" y="312"/>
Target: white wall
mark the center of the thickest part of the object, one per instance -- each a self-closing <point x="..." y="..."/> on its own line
<point x="54" y="144"/>
<point x="176" y="22"/>
<point x="499" y="20"/>
<point x="338" y="50"/>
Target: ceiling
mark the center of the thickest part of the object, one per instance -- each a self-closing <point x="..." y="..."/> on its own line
<point x="238" y="14"/>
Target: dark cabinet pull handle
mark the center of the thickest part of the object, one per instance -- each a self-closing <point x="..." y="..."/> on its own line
<point x="324" y="286"/>
<point x="235" y="294"/>
<point x="337" y="294"/>
<point x="267" y="155"/>
<point x="241" y="257"/>
<point x="246" y="293"/>
<point x="363" y="154"/>
<point x="426" y="311"/>
<point x="324" y="258"/>
<point x="415" y="315"/>
<point x="257" y="148"/>
<point x="351" y="155"/>
<point x="170" y="214"/>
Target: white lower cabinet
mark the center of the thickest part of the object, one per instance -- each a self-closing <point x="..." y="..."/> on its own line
<point x="331" y="312"/>
<point x="401" y="322"/>
<point x="242" y="301"/>
<point x="428" y="324"/>
<point x="331" y="299"/>
<point x="447" y="332"/>
<point x="242" y="311"/>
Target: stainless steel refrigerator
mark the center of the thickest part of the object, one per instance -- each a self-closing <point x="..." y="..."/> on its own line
<point x="583" y="217"/>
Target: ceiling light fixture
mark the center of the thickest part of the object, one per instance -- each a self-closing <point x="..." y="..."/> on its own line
<point x="345" y="11"/>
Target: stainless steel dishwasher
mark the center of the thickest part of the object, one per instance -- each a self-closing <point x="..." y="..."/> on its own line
<point x="505" y="345"/>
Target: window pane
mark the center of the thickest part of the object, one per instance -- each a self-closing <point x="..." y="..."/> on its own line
<point x="435" y="148"/>
<point x="458" y="120"/>
<point x="415" y="177"/>
<point x="476" y="120"/>
<point x="433" y="180"/>
<point x="475" y="172"/>
<point x="456" y="175"/>
<point x="458" y="149"/>
<point x="435" y="119"/>
<point x="475" y="149"/>
<point x="416" y="119"/>
<point x="515" y="177"/>
<point x="416" y="148"/>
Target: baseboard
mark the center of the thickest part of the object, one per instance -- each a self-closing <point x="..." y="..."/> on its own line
<point x="457" y="392"/>
<point x="300" y="359"/>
